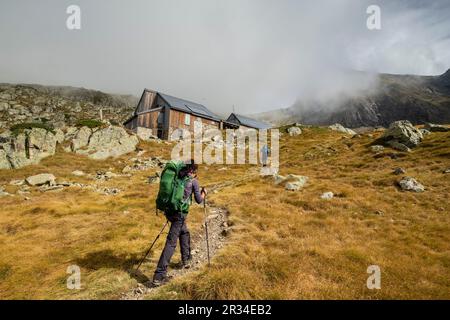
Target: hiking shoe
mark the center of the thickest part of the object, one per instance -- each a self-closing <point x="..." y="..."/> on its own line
<point x="159" y="282"/>
<point x="187" y="264"/>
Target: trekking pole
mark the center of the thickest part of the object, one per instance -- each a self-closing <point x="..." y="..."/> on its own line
<point x="148" y="251"/>
<point x="206" y="229"/>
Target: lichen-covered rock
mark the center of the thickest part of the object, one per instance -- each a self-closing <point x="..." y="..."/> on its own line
<point x="411" y="184"/>
<point x="81" y="138"/>
<point x="28" y="147"/>
<point x="294" y="131"/>
<point x="403" y="132"/>
<point x="41" y="179"/>
<point x="340" y="128"/>
<point x="108" y="142"/>
<point x="377" y="148"/>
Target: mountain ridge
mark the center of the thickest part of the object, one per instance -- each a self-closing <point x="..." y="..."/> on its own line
<point x="419" y="99"/>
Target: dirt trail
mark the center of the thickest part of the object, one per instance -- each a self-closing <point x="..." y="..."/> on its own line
<point x="218" y="229"/>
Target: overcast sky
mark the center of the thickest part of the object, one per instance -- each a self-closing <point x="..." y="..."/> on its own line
<point x="255" y="54"/>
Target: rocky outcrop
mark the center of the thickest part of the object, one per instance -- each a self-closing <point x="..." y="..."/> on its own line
<point x="402" y="135"/>
<point x="419" y="99"/>
<point x="436" y="128"/>
<point x="103" y="143"/>
<point x="340" y="128"/>
<point x="60" y="106"/>
<point x="26" y="148"/>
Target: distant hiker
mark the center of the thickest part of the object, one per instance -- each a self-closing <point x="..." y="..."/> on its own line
<point x="264" y="155"/>
<point x="178" y="184"/>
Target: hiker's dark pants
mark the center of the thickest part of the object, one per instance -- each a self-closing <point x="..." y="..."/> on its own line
<point x="178" y="230"/>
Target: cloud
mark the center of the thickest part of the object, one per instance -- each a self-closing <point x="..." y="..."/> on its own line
<point x="254" y="54"/>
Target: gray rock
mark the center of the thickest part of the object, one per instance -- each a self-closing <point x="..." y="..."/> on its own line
<point x="294" y="131"/>
<point x="41" y="179"/>
<point x="377" y="148"/>
<point x="399" y="171"/>
<point x="327" y="195"/>
<point x="59" y="136"/>
<point x="295" y="182"/>
<point x="81" y="138"/>
<point x="109" y="142"/>
<point x="436" y="128"/>
<point x="340" y="128"/>
<point x="398" y="146"/>
<point x="78" y="173"/>
<point x="27" y="148"/>
<point x="411" y="184"/>
<point x="403" y="132"/>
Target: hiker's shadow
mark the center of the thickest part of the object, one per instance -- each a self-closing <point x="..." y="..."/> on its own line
<point x="108" y="259"/>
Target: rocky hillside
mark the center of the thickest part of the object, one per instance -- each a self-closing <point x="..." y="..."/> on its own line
<point x="418" y="99"/>
<point x="60" y="106"/>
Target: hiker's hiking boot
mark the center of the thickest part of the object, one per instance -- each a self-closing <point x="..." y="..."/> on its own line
<point x="160" y="282"/>
<point x="187" y="264"/>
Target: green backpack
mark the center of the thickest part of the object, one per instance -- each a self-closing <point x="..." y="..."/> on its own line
<point x="171" y="189"/>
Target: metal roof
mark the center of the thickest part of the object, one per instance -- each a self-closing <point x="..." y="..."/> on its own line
<point x="189" y="106"/>
<point x="249" y="122"/>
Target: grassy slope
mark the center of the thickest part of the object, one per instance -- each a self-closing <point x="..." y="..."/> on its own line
<point x="296" y="246"/>
<point x="284" y="245"/>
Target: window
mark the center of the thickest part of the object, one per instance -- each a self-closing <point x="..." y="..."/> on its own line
<point x="187" y="119"/>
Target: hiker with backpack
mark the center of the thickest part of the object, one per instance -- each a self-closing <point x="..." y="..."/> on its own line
<point x="178" y="186"/>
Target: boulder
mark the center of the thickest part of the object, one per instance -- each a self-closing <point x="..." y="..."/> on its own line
<point x="145" y="134"/>
<point x="78" y="173"/>
<point x="411" y="184"/>
<point x="377" y="148"/>
<point x="398" y="146"/>
<point x="340" y="128"/>
<point x="295" y="182"/>
<point x="28" y="147"/>
<point x="41" y="179"/>
<point x="403" y="132"/>
<point x="81" y="138"/>
<point x="108" y="142"/>
<point x="294" y="131"/>
<point x="327" y="195"/>
<point x="436" y="128"/>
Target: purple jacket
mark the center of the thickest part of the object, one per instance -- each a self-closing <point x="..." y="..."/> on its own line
<point x="192" y="187"/>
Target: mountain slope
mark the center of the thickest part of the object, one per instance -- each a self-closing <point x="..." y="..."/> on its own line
<point x="419" y="99"/>
<point x="60" y="105"/>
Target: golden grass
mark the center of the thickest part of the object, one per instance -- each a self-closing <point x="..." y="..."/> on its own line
<point x="284" y="245"/>
<point x="289" y="245"/>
